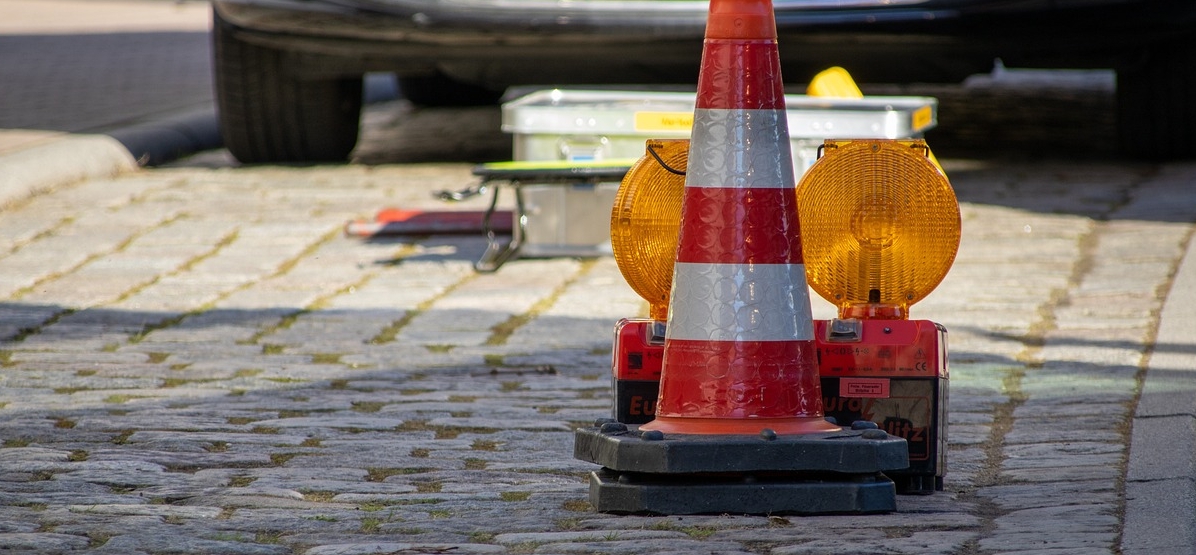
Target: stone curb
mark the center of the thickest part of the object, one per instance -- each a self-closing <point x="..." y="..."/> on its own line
<point x="72" y="158"/>
<point x="28" y="171"/>
<point x="1161" y="477"/>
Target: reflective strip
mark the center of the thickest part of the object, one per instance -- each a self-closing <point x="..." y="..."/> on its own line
<point x="740" y="302"/>
<point x="740" y="149"/>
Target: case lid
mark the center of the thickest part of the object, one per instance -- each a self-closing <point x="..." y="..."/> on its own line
<point x="654" y="114"/>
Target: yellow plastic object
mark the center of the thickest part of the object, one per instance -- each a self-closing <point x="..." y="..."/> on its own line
<point x="875" y="215"/>
<point x="834" y="82"/>
<point x="880" y="226"/>
<point x="646" y="219"/>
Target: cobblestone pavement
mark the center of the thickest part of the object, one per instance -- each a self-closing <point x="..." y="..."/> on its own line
<point x="197" y="359"/>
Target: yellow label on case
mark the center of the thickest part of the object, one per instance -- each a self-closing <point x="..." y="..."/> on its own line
<point x="922" y="118"/>
<point x="664" y="121"/>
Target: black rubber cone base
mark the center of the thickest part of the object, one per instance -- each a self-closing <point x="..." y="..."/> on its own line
<point x="824" y="473"/>
<point x="629" y="493"/>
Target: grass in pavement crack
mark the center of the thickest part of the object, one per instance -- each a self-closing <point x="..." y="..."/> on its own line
<point x="48" y="232"/>
<point x="283" y="268"/>
<point x="24" y="333"/>
<point x="1033" y="343"/>
<point x="1151" y="343"/>
<point x="96" y="256"/>
<point x="290" y="263"/>
<point x="161" y="324"/>
<point x="186" y="266"/>
<point x="148" y="328"/>
<point x="289" y="319"/>
<point x="391" y="331"/>
<point x="500" y="333"/>
<point x="388" y="333"/>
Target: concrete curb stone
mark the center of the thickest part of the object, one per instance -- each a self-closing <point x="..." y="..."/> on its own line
<point x="41" y="168"/>
<point x="72" y="158"/>
<point x="26" y="171"/>
<point x="1161" y="476"/>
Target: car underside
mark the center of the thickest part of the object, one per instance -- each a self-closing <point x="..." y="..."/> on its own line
<point x="287" y="68"/>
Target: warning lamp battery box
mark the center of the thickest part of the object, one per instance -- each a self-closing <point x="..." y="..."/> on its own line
<point x="637" y="361"/>
<point x="889" y="372"/>
<point x="893" y="373"/>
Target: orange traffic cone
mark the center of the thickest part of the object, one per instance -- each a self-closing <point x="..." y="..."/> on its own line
<point x="739" y="352"/>
<point x="739" y="425"/>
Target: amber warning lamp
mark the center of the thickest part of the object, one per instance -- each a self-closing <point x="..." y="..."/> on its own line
<point x="880" y="229"/>
<point x="880" y="225"/>
<point x="645" y="220"/>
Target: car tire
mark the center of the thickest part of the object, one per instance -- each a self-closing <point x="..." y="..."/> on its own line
<point x="439" y="90"/>
<point x="1156" y="105"/>
<point x="270" y="114"/>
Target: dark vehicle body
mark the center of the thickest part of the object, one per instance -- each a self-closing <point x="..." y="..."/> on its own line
<point x="288" y="72"/>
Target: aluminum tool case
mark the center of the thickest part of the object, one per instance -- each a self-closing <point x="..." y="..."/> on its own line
<point x="598" y="125"/>
<point x="594" y="125"/>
